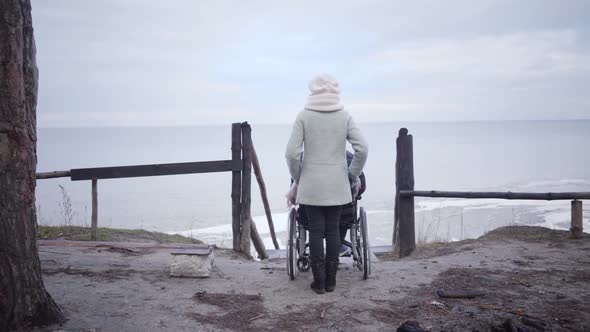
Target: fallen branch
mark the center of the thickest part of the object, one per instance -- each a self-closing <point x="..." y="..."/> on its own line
<point x="264" y="197"/>
<point x="324" y="311"/>
<point x="273" y="268"/>
<point x="486" y="306"/>
<point x="121" y="250"/>
<point x="524" y="283"/>
<point x="255" y="318"/>
<point x="538" y="324"/>
<point x="54" y="252"/>
<point x="459" y="294"/>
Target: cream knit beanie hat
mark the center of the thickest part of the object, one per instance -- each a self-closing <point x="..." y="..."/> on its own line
<point x="324" y="96"/>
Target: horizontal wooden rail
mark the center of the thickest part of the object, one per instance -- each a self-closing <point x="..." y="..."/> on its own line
<point x="52" y="175"/>
<point x="240" y="165"/>
<point x="154" y="170"/>
<point x="404" y="239"/>
<point x="500" y="195"/>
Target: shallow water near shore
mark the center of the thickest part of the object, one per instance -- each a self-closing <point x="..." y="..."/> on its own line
<point x="534" y="156"/>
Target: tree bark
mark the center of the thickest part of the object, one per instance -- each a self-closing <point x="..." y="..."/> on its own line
<point x="23" y="298"/>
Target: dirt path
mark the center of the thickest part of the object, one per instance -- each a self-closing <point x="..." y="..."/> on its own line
<point x="546" y="282"/>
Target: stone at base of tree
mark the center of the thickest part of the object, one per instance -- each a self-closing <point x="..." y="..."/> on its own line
<point x="192" y="263"/>
<point x="410" y="326"/>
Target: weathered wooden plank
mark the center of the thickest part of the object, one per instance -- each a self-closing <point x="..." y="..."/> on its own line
<point x="152" y="170"/>
<point x="501" y="195"/>
<point x="262" y="186"/>
<point x="94" y="224"/>
<point x="52" y="175"/>
<point x="405" y="204"/>
<point x="236" y="183"/>
<point x="246" y="188"/>
<point x="395" y="238"/>
<point x="257" y="241"/>
<point x="577" y="226"/>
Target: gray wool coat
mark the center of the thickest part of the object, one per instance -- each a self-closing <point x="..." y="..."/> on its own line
<point x="323" y="175"/>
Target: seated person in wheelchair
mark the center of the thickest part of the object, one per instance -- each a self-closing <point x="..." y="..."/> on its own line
<point x="347" y="216"/>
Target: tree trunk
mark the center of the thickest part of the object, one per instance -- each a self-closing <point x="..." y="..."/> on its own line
<point x="23" y="298"/>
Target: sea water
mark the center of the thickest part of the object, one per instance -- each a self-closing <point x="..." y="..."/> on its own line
<point x="531" y="156"/>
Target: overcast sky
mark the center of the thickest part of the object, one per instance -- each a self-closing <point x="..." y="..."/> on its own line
<point x="133" y="63"/>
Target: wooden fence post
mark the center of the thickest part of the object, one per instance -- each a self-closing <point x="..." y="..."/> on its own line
<point x="246" y="188"/>
<point x="263" y="195"/>
<point x="236" y="183"/>
<point x="94" y="224"/>
<point x="257" y="241"/>
<point x="577" y="226"/>
<point x="404" y="180"/>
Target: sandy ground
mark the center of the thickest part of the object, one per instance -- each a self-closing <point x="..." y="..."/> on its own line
<point x="541" y="282"/>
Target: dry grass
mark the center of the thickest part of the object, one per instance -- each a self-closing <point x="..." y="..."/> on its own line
<point x="77" y="233"/>
<point x="528" y="233"/>
<point x="522" y="233"/>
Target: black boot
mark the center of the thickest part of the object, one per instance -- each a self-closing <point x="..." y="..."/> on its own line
<point x="331" y="269"/>
<point x="318" y="269"/>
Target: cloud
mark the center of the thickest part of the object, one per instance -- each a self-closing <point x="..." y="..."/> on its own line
<point x="372" y="107"/>
<point x="519" y="54"/>
<point x="148" y="62"/>
<point x="89" y="118"/>
<point x="380" y="112"/>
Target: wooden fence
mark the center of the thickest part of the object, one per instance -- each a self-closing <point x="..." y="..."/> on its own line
<point x="404" y="239"/>
<point x="243" y="159"/>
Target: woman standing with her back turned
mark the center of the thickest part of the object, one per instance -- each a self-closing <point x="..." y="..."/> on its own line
<point x="323" y="177"/>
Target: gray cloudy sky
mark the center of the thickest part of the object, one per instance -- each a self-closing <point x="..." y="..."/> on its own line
<point x="124" y="62"/>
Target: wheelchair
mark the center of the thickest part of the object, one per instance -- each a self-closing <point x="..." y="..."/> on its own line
<point x="354" y="219"/>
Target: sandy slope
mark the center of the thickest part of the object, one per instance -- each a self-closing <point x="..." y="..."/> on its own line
<point x="547" y="279"/>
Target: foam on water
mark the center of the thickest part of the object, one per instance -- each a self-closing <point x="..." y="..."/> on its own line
<point x="555" y="183"/>
<point x="222" y="234"/>
<point x="550" y="214"/>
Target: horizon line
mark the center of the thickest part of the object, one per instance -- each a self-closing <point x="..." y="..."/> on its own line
<point x="216" y="124"/>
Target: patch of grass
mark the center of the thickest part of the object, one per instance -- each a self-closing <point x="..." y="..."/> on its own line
<point x="521" y="233"/>
<point x="528" y="233"/>
<point x="431" y="249"/>
<point x="77" y="233"/>
<point x="436" y="245"/>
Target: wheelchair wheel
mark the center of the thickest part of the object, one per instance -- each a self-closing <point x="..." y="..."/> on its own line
<point x="365" y="248"/>
<point x="303" y="263"/>
<point x="356" y="247"/>
<point x="292" y="252"/>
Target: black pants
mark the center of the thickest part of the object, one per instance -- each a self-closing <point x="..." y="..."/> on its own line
<point x="324" y="222"/>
